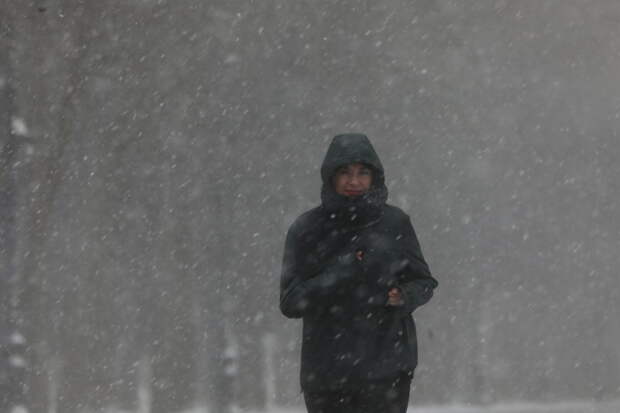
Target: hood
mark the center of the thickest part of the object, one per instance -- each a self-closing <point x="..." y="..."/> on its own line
<point x="365" y="209"/>
<point x="351" y="148"/>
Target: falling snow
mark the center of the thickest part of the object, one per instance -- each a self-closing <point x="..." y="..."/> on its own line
<point x="154" y="153"/>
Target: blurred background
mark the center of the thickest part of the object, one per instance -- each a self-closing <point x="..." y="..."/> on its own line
<point x="154" y="153"/>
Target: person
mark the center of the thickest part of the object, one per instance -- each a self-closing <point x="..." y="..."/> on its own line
<point x="354" y="272"/>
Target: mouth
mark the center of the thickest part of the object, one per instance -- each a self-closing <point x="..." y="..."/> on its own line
<point x="353" y="193"/>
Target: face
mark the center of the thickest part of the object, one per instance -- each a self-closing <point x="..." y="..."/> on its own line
<point x="352" y="180"/>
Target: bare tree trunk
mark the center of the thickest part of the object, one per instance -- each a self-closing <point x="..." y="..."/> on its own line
<point x="219" y="304"/>
<point x="39" y="32"/>
<point x="13" y="361"/>
<point x="269" y="344"/>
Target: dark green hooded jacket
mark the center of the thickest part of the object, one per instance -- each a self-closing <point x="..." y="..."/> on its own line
<point x="349" y="333"/>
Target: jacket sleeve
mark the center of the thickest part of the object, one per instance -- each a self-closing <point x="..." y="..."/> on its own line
<point x="302" y="293"/>
<point x="418" y="283"/>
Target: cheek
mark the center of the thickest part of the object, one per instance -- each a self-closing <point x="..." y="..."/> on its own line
<point x="339" y="182"/>
<point x="366" y="182"/>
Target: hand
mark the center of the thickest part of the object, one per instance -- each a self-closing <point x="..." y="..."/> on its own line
<point x="359" y="255"/>
<point x="394" y="297"/>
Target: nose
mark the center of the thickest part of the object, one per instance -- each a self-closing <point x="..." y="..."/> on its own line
<point x="354" y="180"/>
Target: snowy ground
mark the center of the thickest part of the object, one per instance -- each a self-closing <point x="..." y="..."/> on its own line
<point x="565" y="407"/>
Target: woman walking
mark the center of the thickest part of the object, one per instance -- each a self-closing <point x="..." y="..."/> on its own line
<point x="354" y="272"/>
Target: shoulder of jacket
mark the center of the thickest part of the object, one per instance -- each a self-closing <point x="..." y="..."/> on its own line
<point x="394" y="212"/>
<point x="305" y="220"/>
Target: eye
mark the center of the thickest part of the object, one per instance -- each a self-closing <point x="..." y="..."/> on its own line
<point x="342" y="171"/>
<point x="365" y="171"/>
